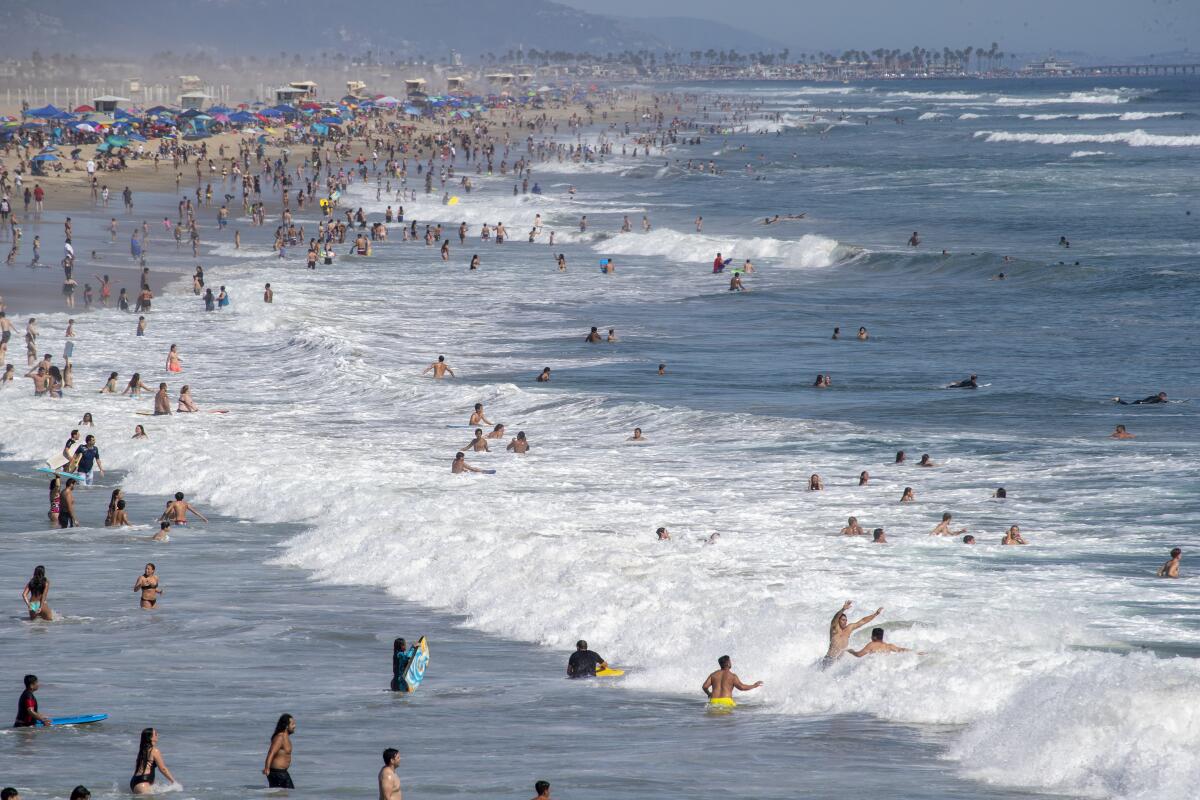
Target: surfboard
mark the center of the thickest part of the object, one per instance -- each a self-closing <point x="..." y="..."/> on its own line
<point x="415" y="672"/>
<point x="63" y="473"/>
<point x="488" y="471"/>
<point x="82" y="719"/>
<point x="609" y="673"/>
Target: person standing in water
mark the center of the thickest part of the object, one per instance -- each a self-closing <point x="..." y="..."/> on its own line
<point x="147" y="584"/>
<point x="840" y="629"/>
<point x="1171" y="568"/>
<point x="718" y="686"/>
<point x="439" y="368"/>
<point x="149" y="760"/>
<point x="402" y="655"/>
<point x="389" y="781"/>
<point x="27" y="706"/>
<point x="584" y="663"/>
<point x="35" y="593"/>
<point x="279" y="754"/>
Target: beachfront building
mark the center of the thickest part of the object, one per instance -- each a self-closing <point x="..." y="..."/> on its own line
<point x="1050" y="66"/>
<point x="107" y="103"/>
<point x="456" y="84"/>
<point x="289" y="95"/>
<point x="194" y="99"/>
<point x="525" y="77"/>
<point x="308" y="87"/>
<point x="356" y="88"/>
<point x="414" y="86"/>
<point x="501" y="80"/>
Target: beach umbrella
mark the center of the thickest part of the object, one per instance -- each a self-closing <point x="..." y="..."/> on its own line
<point x="412" y="110"/>
<point x="136" y="137"/>
<point x="116" y="141"/>
<point x="331" y="120"/>
<point x="310" y="106"/>
<point x="84" y="109"/>
<point x="223" y="118"/>
<point x="45" y="157"/>
<point x="219" y="109"/>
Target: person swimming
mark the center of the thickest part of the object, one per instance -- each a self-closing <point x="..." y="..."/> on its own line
<point x="970" y="383"/>
<point x="1153" y="399"/>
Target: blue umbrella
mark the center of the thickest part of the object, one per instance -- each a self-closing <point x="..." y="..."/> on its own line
<point x="331" y="120"/>
<point x="45" y="157"/>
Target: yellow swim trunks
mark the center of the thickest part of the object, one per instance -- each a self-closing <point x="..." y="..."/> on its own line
<point x="723" y="702"/>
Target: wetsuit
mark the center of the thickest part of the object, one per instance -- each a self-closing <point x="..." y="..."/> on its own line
<point x="969" y="383"/>
<point x="1145" y="401"/>
<point x="400" y="663"/>
<point x="27" y="706"/>
<point x="583" y="664"/>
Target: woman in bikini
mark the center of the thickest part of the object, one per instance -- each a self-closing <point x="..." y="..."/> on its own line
<point x="110" y="385"/>
<point x="55" y="500"/>
<point x="185" y="400"/>
<point x="35" y="594"/>
<point x="147" y="584"/>
<point x="149" y="760"/>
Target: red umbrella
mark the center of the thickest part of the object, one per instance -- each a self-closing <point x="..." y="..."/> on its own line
<point x="310" y="105"/>
<point x="83" y="109"/>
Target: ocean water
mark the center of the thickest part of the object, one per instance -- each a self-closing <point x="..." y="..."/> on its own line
<point x="1064" y="667"/>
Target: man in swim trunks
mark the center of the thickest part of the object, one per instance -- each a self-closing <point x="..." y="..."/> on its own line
<point x="840" y="629"/>
<point x="27" y="706"/>
<point x="162" y="401"/>
<point x="89" y="457"/>
<point x="147" y="584"/>
<point x="970" y="383"/>
<point x="718" y="687"/>
<point x="584" y="663"/>
<point x="389" y="781"/>
<point x="1153" y="399"/>
<point x="279" y="754"/>
<point x="1171" y="568"/>
<point x="877" y="645"/>
<point x="177" y="511"/>
<point x="439" y="368"/>
<point x="519" y="445"/>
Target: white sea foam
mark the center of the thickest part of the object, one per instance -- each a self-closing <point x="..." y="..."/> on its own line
<point x="969" y="115"/>
<point x="810" y="250"/>
<point x="1088" y="153"/>
<point x="935" y="95"/>
<point x="1096" y="96"/>
<point x="932" y="115"/>
<point x="1134" y="138"/>
<point x="1128" y="116"/>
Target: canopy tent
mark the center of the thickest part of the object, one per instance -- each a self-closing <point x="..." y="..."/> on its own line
<point x="84" y="109"/>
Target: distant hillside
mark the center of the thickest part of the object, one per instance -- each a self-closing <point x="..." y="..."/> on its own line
<point x="388" y="28"/>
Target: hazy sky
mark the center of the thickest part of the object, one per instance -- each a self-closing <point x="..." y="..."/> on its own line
<point x="1114" y="27"/>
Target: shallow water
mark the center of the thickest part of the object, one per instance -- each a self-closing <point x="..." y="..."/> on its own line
<point x="1069" y="647"/>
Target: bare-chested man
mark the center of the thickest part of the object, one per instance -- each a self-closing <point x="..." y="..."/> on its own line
<point x="439" y="368"/>
<point x="478" y="417"/>
<point x="497" y="432"/>
<point x="943" y="527"/>
<point x="460" y="465"/>
<point x="519" y="445"/>
<point x="840" y="628"/>
<point x="389" y="781"/>
<point x="877" y="645"/>
<point x="162" y="401"/>
<point x="479" y="443"/>
<point x="1171" y="568"/>
<point x="177" y="511"/>
<point x="719" y="686"/>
